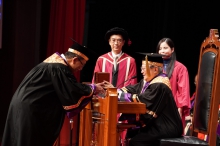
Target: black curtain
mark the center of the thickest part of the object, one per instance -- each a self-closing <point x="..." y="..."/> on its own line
<point x="187" y="23"/>
<point x="24" y="42"/>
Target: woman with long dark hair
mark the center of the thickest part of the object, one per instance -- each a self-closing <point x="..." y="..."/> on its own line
<point x="178" y="75"/>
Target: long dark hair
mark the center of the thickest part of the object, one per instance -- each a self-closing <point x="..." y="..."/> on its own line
<point x="170" y="66"/>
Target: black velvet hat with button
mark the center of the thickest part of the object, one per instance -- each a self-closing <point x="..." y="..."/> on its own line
<point x="116" y="31"/>
<point x="153" y="57"/>
<point x="80" y="50"/>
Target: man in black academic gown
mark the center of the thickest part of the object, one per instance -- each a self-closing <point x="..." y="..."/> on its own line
<point x="162" y="119"/>
<point x="38" y="107"/>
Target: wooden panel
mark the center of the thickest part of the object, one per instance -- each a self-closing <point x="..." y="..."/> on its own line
<point x="108" y="108"/>
<point x="85" y="127"/>
<point x="131" y="108"/>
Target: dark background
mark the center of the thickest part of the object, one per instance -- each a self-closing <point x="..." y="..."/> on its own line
<point x="187" y="23"/>
<point x="26" y="23"/>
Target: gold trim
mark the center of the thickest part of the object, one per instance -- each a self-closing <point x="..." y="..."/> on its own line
<point x="78" y="53"/>
<point x="55" y="59"/>
<point x="161" y="79"/>
<point x="124" y="90"/>
<point x="151" y="113"/>
<point x="79" y="102"/>
<point x="147" y="67"/>
<point x="134" y="98"/>
<point x="155" y="63"/>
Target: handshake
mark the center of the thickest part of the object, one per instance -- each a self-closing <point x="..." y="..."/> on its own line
<point x="101" y="88"/>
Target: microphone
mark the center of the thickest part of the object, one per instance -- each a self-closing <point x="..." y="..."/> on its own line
<point x="133" y="77"/>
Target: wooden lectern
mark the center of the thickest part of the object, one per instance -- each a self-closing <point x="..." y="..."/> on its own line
<point x="98" y="121"/>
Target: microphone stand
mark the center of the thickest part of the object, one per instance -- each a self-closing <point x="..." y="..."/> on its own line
<point x="127" y="80"/>
<point x="71" y="130"/>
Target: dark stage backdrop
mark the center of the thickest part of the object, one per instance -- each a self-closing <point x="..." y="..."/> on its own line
<point x="1" y="10"/>
<point x="66" y="21"/>
<point x="26" y="23"/>
<point x="24" y="44"/>
<point x="187" y="23"/>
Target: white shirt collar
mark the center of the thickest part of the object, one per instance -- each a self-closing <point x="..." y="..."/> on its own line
<point x="114" y="55"/>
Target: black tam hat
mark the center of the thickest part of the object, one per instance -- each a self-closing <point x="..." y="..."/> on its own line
<point x="154" y="58"/>
<point x="80" y="50"/>
<point x="115" y="31"/>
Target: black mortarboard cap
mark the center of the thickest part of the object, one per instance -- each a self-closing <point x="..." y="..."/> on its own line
<point x="153" y="57"/>
<point x="116" y="30"/>
<point x="79" y="50"/>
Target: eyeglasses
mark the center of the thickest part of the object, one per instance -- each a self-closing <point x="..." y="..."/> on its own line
<point x="150" y="66"/>
<point x="80" y="62"/>
<point x="116" y="40"/>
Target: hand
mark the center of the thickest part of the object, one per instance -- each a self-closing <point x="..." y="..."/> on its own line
<point x="188" y="118"/>
<point x="180" y="112"/>
<point x="106" y="84"/>
<point x="99" y="89"/>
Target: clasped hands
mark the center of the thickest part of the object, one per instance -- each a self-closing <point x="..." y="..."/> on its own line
<point x="101" y="87"/>
<point x="106" y="84"/>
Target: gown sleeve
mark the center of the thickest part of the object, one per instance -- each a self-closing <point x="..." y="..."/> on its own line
<point x="153" y="97"/>
<point x="71" y="93"/>
<point x="182" y="94"/>
<point x="132" y="72"/>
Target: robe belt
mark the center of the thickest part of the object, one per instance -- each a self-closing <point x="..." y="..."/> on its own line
<point x="151" y="113"/>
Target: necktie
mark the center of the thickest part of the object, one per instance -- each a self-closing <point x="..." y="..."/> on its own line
<point x="115" y="62"/>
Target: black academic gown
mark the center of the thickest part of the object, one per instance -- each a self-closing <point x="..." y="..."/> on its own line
<point x="158" y="98"/>
<point x="37" y="109"/>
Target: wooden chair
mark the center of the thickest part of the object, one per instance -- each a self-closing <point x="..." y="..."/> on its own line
<point x="205" y="116"/>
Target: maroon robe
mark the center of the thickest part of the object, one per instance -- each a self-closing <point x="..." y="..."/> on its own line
<point x="126" y="69"/>
<point x="180" y="88"/>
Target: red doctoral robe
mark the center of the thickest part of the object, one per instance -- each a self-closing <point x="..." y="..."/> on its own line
<point x="126" y="69"/>
<point x="180" y="88"/>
